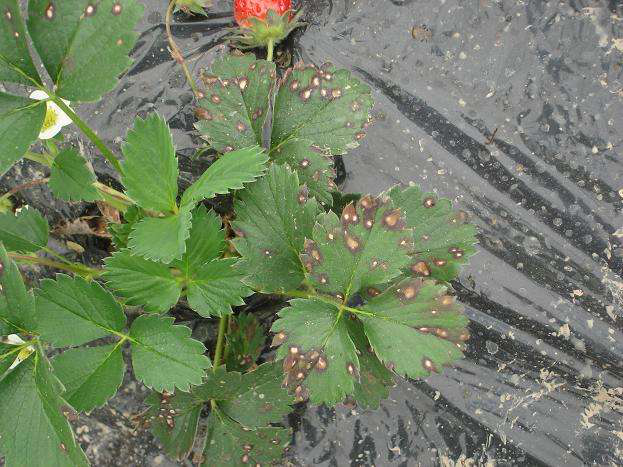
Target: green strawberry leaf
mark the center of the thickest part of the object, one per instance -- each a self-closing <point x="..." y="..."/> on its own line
<point x="150" y="167"/>
<point x="320" y="357"/>
<point x="91" y="375"/>
<point x="273" y="218"/>
<point x="164" y="356"/>
<point x="142" y="282"/>
<point x="218" y="385"/>
<point x="120" y="232"/>
<point x="91" y="42"/>
<point x="326" y="106"/>
<point x="26" y="231"/>
<point x="71" y="179"/>
<point x="8" y="354"/>
<point x="245" y="342"/>
<point x="16" y="65"/>
<point x="229" y="443"/>
<point x="174" y="421"/>
<point x="415" y="314"/>
<point x="442" y="239"/>
<point x="17" y="305"/>
<point x="367" y="245"/>
<point x="237" y="101"/>
<point x="313" y="165"/>
<point x="230" y="172"/>
<point x="85" y="308"/>
<point x="21" y="120"/>
<point x="205" y="243"/>
<point x="33" y="426"/>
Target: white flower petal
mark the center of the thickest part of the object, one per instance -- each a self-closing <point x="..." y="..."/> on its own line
<point x="50" y="132"/>
<point x="38" y="95"/>
<point x="61" y="117"/>
<point x="13" y="339"/>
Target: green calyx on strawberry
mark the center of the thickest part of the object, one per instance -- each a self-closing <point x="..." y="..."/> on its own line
<point x="263" y="23"/>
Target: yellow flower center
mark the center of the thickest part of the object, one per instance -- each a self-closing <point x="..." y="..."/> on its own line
<point x="50" y="118"/>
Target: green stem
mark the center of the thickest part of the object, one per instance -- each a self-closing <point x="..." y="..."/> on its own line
<point x="323" y="298"/>
<point x="270" y="47"/>
<point x="44" y="159"/>
<point x="218" y="352"/>
<point x="89" y="133"/>
<point x="176" y="53"/>
<point x="76" y="268"/>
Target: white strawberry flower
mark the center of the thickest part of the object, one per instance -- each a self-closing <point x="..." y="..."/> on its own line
<point x="14" y="339"/>
<point x="55" y="118"/>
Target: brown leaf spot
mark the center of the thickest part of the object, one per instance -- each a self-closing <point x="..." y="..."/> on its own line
<point x="349" y="215"/>
<point x="459" y="217"/>
<point x="245" y="458"/>
<point x="63" y="447"/>
<point x="257" y="114"/>
<point x="8" y="15"/>
<point x="324" y="92"/>
<point x="49" y="12"/>
<point x="392" y="219"/>
<point x="374" y="264"/>
<point x="202" y="114"/>
<point x="441" y="333"/>
<point x="301" y="394"/>
<point x="305" y="94"/>
<point x="464" y="336"/>
<point x="303" y="195"/>
<point x="405" y="242"/>
<point x="352" y="370"/>
<point x="336" y="93"/>
<point x="420" y="268"/>
<point x="446" y="300"/>
<point x="373" y="292"/>
<point x="228" y="149"/>
<point x="321" y="364"/>
<point x="294" y="85"/>
<point x="216" y="99"/>
<point x="322" y="278"/>
<point x="359" y="136"/>
<point x="355" y="106"/>
<point x="352" y="243"/>
<point x="429" y="202"/>
<point x="119" y="41"/>
<point x="278" y="339"/>
<point x="116" y="9"/>
<point x="242" y="83"/>
<point x="428" y="364"/>
<point x="409" y="292"/>
<point x="328" y="76"/>
<point x="209" y="80"/>
<point x="439" y="262"/>
<point x="391" y="366"/>
<point x="304" y="163"/>
<point x="89" y="10"/>
<point x="241" y="127"/>
<point x="315" y="82"/>
<point x="247" y="448"/>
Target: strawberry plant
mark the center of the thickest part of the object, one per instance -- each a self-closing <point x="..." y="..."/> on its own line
<point x="364" y="280"/>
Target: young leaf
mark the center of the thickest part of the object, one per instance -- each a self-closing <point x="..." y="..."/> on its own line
<point x="175" y="430"/>
<point x="326" y="106"/>
<point x="232" y="114"/>
<point x="229" y="443"/>
<point x="313" y="165"/>
<point x="16" y="65"/>
<point x="230" y="172"/>
<point x="320" y="358"/>
<point x="150" y="168"/>
<point x="164" y="356"/>
<point x="21" y="120"/>
<point x="273" y="218"/>
<point x="72" y="311"/>
<point x="144" y="283"/>
<point x="17" y="305"/>
<point x="91" y="375"/>
<point x="205" y="242"/>
<point x="442" y="239"/>
<point x="34" y="429"/>
<point x="367" y="245"/>
<point x="71" y="179"/>
<point x="161" y="238"/>
<point x="91" y="42"/>
<point x="245" y="341"/>
<point x="26" y="231"/>
<point x="415" y="315"/>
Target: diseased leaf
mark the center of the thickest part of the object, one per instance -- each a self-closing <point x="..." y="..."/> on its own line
<point x="229" y="443"/>
<point x="230" y="172"/>
<point x="273" y="219"/>
<point x="17" y="305"/>
<point x="91" y="375"/>
<point x="367" y="245"/>
<point x="71" y="179"/>
<point x="161" y="238"/>
<point x="218" y="385"/>
<point x="320" y="357"/>
<point x="442" y="239"/>
<point x="164" y="356"/>
<point x="91" y="42"/>
<point x="326" y="106"/>
<point x="16" y="65"/>
<point x="34" y="430"/>
<point x="26" y="231"/>
<point x="416" y="315"/>
<point x="21" y="120"/>
<point x="261" y="400"/>
<point x="150" y="168"/>
<point x="236" y="103"/>
<point x="143" y="282"/>
<point x="245" y="342"/>
<point x="85" y="308"/>
<point x="313" y="165"/>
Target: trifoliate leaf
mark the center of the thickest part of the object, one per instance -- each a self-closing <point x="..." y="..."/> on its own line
<point x="273" y="218"/>
<point x="205" y="242"/>
<point x="161" y="238"/>
<point x="164" y="356"/>
<point x="174" y="421"/>
<point x="229" y="443"/>
<point x="320" y="357"/>
<point x="375" y="379"/>
<point x="236" y="103"/>
<point x="16" y="65"/>
<point x="313" y="165"/>
<point x="34" y="429"/>
<point x="91" y="42"/>
<point x="72" y="311"/>
<point x="21" y="120"/>
<point x="245" y="342"/>
<point x="415" y="314"/>
<point x="150" y="168"/>
<point x="91" y="375"/>
<point x="17" y="305"/>
<point x="215" y="287"/>
<point x="442" y="239"/>
<point x="367" y="245"/>
<point x="230" y="172"/>
<point x="143" y="282"/>
<point x="326" y="106"/>
<point x="261" y="400"/>
<point x="26" y="231"/>
<point x="71" y="179"/>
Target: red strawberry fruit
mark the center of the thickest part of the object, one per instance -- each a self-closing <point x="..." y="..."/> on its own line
<point x="244" y="9"/>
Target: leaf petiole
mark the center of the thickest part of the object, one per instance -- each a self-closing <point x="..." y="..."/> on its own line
<point x="81" y="270"/>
